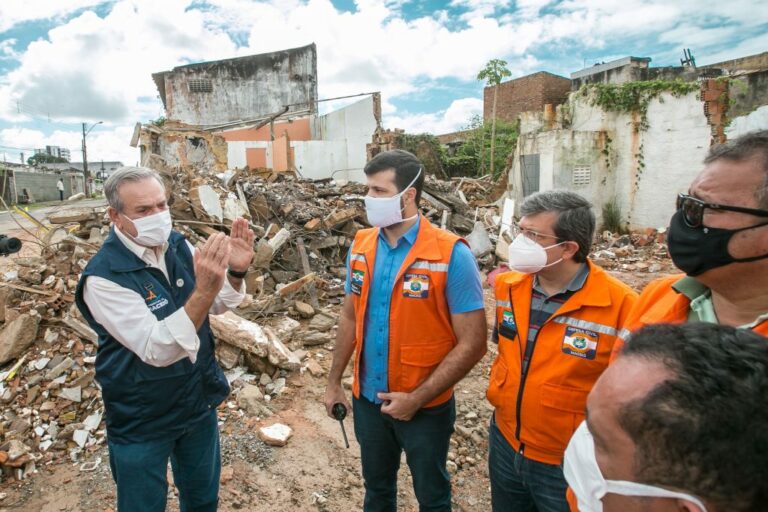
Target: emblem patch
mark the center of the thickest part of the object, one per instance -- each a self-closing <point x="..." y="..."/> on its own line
<point x="154" y="301"/>
<point x="356" y="281"/>
<point x="507" y="328"/>
<point x="416" y="286"/>
<point x="580" y="343"/>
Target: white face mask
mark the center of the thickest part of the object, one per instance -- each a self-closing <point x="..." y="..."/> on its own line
<point x="152" y="230"/>
<point x="383" y="212"/>
<point x="528" y="256"/>
<point x="587" y="482"/>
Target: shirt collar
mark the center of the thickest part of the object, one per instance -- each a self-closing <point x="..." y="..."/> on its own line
<point x="139" y="250"/>
<point x="409" y="236"/>
<point x="701" y="301"/>
<point x="690" y="287"/>
<point x="576" y="283"/>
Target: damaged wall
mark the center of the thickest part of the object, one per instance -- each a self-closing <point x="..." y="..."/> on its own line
<point x="602" y="156"/>
<point x="244" y="88"/>
<point x="332" y="145"/>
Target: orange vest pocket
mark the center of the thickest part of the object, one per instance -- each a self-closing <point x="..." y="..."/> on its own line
<point x="417" y="362"/>
<point x="496" y="382"/>
<point x="563" y="407"/>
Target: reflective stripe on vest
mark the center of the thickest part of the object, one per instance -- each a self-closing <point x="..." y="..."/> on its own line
<point x="585" y="324"/>
<point x="431" y="266"/>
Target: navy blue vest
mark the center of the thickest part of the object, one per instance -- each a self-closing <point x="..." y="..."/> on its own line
<point x="145" y="402"/>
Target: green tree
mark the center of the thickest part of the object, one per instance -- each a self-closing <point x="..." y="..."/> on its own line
<point x="42" y="158"/>
<point x="493" y="73"/>
<point x="473" y="155"/>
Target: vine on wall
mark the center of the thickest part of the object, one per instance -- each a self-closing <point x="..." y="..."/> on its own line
<point x="634" y="97"/>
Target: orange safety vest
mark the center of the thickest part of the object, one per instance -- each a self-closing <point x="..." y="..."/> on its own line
<point x="659" y="303"/>
<point x="572" y="349"/>
<point x="420" y="330"/>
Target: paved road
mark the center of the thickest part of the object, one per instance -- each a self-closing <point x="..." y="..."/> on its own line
<point x="7" y="224"/>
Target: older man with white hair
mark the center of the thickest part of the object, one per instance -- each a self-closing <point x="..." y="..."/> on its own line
<point x="148" y="293"/>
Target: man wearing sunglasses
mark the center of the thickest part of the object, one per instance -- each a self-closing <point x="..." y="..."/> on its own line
<point x="557" y="318"/>
<point x="719" y="237"/>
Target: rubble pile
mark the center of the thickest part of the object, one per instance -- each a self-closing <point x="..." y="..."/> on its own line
<point x="469" y="444"/>
<point x="50" y="402"/>
<point x="51" y="405"/>
<point x="644" y="251"/>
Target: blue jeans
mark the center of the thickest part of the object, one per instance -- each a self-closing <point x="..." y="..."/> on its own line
<point x="520" y="484"/>
<point x="425" y="441"/>
<point x="140" y="470"/>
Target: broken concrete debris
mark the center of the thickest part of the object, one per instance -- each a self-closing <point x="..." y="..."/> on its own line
<point x="51" y="406"/>
<point x="276" y="434"/>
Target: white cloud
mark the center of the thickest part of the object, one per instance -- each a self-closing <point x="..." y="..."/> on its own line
<point x="109" y="144"/>
<point x="13" y="12"/>
<point x="7" y="51"/>
<point x="99" y="68"/>
<point x="456" y="117"/>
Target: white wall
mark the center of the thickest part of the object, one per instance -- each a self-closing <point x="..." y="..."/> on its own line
<point x="671" y="149"/>
<point x="236" y="152"/>
<point x="755" y="120"/>
<point x="338" y="152"/>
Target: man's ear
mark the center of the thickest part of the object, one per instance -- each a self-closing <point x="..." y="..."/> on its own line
<point x="570" y="249"/>
<point x="689" y="506"/>
<point x="113" y="215"/>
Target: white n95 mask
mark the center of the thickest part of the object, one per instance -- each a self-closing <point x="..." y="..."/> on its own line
<point x="587" y="482"/>
<point x="153" y="230"/>
<point x="383" y="212"/>
<point x="528" y="256"/>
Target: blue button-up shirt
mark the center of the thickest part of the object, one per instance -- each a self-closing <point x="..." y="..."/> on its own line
<point x="464" y="292"/>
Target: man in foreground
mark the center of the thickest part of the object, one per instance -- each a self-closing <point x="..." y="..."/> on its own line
<point x="557" y="318"/>
<point x="414" y="315"/>
<point x="147" y="293"/>
<point x="678" y="423"/>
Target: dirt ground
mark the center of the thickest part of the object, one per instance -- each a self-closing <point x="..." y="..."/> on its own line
<point x="314" y="471"/>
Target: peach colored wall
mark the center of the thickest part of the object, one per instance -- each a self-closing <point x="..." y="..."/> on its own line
<point x="256" y="157"/>
<point x="280" y="154"/>
<point x="299" y="129"/>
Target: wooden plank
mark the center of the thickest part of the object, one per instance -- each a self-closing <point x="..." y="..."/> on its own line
<point x="307" y="270"/>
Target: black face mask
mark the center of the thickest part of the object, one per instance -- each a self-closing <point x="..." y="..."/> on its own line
<point x="696" y="250"/>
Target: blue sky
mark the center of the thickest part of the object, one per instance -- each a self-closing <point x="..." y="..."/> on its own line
<point x="72" y="61"/>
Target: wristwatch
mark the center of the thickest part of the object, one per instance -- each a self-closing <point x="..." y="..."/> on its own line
<point x="235" y="273"/>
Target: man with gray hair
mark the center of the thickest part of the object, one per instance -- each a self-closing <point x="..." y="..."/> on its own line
<point x="718" y="237"/>
<point x="557" y="318"/>
<point x="147" y="293"/>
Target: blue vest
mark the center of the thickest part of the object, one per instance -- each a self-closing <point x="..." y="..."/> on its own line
<point x="145" y="402"/>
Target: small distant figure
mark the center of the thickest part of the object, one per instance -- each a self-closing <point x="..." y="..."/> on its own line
<point x="60" y="186"/>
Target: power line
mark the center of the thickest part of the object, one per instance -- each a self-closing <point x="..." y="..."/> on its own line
<point x="18" y="149"/>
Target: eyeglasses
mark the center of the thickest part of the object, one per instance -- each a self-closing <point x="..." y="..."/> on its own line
<point x="529" y="233"/>
<point x="693" y="210"/>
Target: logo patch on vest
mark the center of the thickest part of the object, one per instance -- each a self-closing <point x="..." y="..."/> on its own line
<point x="356" y="281"/>
<point x="580" y="343"/>
<point x="154" y="301"/>
<point x="507" y="328"/>
<point x="416" y="286"/>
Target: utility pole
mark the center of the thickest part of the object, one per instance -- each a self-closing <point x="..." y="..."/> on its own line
<point x="85" y="167"/>
<point x="86" y="175"/>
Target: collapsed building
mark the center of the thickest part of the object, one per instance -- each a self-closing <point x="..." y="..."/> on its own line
<point x="639" y="150"/>
<point x="259" y="111"/>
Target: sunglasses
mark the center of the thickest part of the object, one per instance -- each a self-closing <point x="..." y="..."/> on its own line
<point x="693" y="210"/>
